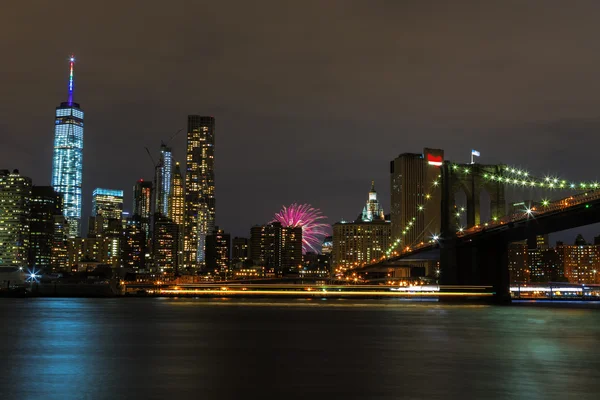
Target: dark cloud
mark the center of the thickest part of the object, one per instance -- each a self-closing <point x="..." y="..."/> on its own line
<point x="312" y="98"/>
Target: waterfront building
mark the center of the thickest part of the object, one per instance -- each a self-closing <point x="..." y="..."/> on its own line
<point x="45" y="205"/>
<point x="165" y="245"/>
<point x="87" y="249"/>
<point x="67" y="160"/>
<point x="15" y="194"/>
<point x="240" y="250"/>
<point x="276" y="247"/>
<point x="199" y="189"/>
<point x="218" y="249"/>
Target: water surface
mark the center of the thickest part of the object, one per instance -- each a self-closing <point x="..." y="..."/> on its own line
<point x="215" y="349"/>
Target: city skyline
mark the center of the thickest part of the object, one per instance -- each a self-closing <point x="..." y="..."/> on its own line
<point x="408" y="68"/>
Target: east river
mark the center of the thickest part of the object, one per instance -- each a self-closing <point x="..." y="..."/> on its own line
<point x="152" y="348"/>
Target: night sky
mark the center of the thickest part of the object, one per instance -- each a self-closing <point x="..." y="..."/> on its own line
<point x="312" y="99"/>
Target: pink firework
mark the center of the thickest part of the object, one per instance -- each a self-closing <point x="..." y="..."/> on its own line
<point x="306" y="217"/>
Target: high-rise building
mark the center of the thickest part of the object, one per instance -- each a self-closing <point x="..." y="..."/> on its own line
<point x="165" y="245"/>
<point x="67" y="161"/>
<point x="176" y="200"/>
<point x="142" y="204"/>
<point x="134" y="245"/>
<point x="45" y="204"/>
<point x="15" y="193"/>
<point x="107" y="203"/>
<point x="177" y="210"/>
<point x="199" y="189"/>
<point x="416" y="196"/>
<point x="218" y="247"/>
<point x="240" y="250"/>
<point x="60" y="255"/>
<point x="163" y="180"/>
<point x="276" y="247"/>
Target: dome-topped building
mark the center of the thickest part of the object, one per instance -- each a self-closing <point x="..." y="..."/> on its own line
<point x="373" y="210"/>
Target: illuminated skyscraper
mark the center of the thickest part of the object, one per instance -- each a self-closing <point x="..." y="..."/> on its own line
<point x="177" y="210"/>
<point x="416" y="199"/>
<point x="107" y="203"/>
<point x="176" y="200"/>
<point x="200" y="189"/>
<point x="67" y="161"/>
<point x="15" y="194"/>
<point x="142" y="204"/>
<point x="163" y="180"/>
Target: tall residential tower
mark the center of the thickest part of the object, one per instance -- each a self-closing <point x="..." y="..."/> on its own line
<point x="163" y="180"/>
<point x="200" y="189"/>
<point x="67" y="162"/>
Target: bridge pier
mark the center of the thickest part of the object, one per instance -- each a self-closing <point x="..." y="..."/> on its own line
<point x="483" y="263"/>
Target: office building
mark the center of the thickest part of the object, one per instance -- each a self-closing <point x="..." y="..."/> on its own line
<point x="15" y="194"/>
<point x="360" y="242"/>
<point x="45" y="205"/>
<point x="142" y="204"/>
<point x="199" y="189"/>
<point x="416" y="196"/>
<point x="163" y="181"/>
<point x="218" y="248"/>
<point x="108" y="204"/>
<point x="67" y="160"/>
<point x="276" y="247"/>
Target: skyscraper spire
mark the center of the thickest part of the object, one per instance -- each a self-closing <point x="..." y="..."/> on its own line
<point x="71" y="65"/>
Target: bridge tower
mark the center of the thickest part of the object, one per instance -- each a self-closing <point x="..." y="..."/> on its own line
<point x="470" y="178"/>
<point x="473" y="262"/>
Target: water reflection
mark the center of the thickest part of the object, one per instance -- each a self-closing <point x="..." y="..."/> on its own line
<point x="186" y="348"/>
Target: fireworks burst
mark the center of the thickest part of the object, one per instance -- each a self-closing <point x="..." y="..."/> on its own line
<point x="306" y="217"/>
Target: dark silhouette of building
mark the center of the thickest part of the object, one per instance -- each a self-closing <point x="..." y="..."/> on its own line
<point x="45" y="205"/>
<point x="240" y="251"/>
<point x="218" y="247"/>
<point x="142" y="205"/>
<point x="276" y="247"/>
<point x="165" y="245"/>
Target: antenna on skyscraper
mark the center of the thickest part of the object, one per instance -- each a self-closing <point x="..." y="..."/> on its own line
<point x="71" y="65"/>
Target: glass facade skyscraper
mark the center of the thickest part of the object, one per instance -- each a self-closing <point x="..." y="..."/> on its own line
<point x="163" y="180"/>
<point x="107" y="203"/>
<point x="67" y="161"/>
